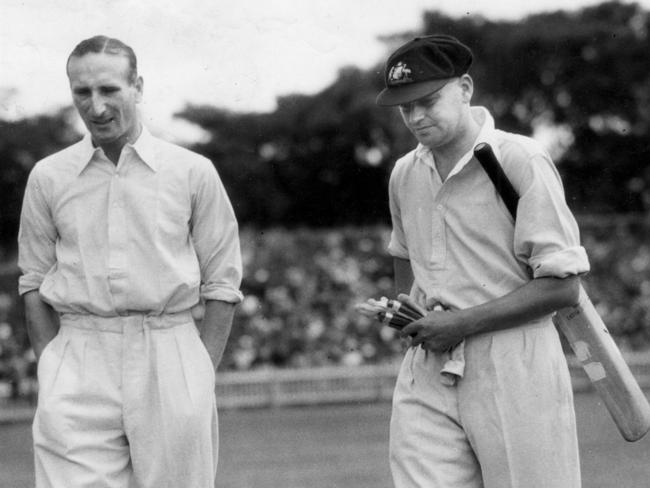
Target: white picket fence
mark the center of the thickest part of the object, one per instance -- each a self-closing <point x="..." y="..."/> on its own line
<point x="274" y="388"/>
<point x="286" y="387"/>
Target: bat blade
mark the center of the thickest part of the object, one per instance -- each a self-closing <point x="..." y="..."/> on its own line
<point x="605" y="367"/>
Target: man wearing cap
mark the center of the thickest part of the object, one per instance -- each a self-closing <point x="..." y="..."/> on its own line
<point x="506" y="419"/>
<point x="121" y="235"/>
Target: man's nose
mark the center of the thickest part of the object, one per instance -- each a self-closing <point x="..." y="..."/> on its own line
<point x="416" y="113"/>
<point x="97" y="104"/>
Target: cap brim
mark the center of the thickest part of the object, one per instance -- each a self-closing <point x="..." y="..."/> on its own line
<point x="398" y="95"/>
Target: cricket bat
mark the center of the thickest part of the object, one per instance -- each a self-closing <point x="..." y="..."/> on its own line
<point x="605" y="367"/>
<point x="587" y="335"/>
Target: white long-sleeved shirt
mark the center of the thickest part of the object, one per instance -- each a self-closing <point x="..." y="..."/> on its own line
<point x="458" y="234"/>
<point x="151" y="234"/>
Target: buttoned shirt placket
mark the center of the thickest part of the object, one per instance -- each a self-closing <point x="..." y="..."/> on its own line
<point x="438" y="194"/>
<point x="117" y="236"/>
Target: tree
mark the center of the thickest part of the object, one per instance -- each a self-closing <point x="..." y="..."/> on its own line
<point x="22" y="143"/>
<point x="316" y="160"/>
<point x="587" y="71"/>
<point x="582" y="77"/>
<point x="320" y="160"/>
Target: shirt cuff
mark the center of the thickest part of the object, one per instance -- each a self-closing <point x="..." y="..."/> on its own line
<point x="215" y="292"/>
<point x="397" y="251"/>
<point x="29" y="282"/>
<point x="560" y="264"/>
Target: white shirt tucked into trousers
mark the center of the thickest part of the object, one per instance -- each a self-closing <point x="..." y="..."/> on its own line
<point x="508" y="420"/>
<point x="123" y="252"/>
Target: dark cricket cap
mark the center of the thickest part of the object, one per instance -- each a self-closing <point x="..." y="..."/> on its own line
<point x="423" y="66"/>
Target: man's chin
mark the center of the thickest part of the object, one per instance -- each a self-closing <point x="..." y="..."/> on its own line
<point x="101" y="138"/>
<point x="427" y="141"/>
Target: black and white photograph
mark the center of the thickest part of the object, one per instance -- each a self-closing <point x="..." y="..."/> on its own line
<point x="324" y="244"/>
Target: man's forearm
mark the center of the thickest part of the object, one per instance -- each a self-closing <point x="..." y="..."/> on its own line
<point x="215" y="328"/>
<point x="535" y="299"/>
<point x="403" y="276"/>
<point x="41" y="320"/>
<point x="439" y="330"/>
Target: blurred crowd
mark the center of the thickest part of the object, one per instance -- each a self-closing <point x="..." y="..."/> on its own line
<point x="300" y="290"/>
<point x="301" y="286"/>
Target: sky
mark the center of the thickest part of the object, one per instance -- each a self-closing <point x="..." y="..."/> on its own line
<point x="234" y="54"/>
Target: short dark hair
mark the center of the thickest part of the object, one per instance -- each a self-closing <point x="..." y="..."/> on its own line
<point x="108" y="45"/>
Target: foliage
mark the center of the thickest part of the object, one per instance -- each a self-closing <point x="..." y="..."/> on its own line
<point x="586" y="72"/>
<point x="314" y="160"/>
<point x="22" y="143"/>
<point x="579" y="80"/>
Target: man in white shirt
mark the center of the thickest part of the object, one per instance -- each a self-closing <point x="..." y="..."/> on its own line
<point x="490" y="285"/>
<point x="122" y="235"/>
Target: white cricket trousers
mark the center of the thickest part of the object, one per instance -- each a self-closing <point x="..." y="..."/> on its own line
<point x="508" y="423"/>
<point x="126" y="402"/>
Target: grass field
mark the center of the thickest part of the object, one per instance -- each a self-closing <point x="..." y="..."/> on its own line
<point x="346" y="446"/>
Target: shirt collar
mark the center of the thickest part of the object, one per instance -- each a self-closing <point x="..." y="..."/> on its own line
<point x="486" y="134"/>
<point x="143" y="147"/>
<point x="86" y="153"/>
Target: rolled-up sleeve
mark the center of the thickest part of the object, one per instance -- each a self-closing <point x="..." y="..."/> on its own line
<point x="36" y="236"/>
<point x="546" y="233"/>
<point x="215" y="235"/>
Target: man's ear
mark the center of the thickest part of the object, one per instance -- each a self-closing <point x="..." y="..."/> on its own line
<point x="467" y="87"/>
<point x="139" y="86"/>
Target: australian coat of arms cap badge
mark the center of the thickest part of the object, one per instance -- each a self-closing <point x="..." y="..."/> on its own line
<point x="399" y="73"/>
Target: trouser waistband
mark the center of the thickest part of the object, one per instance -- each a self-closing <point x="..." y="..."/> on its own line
<point x="119" y="323"/>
